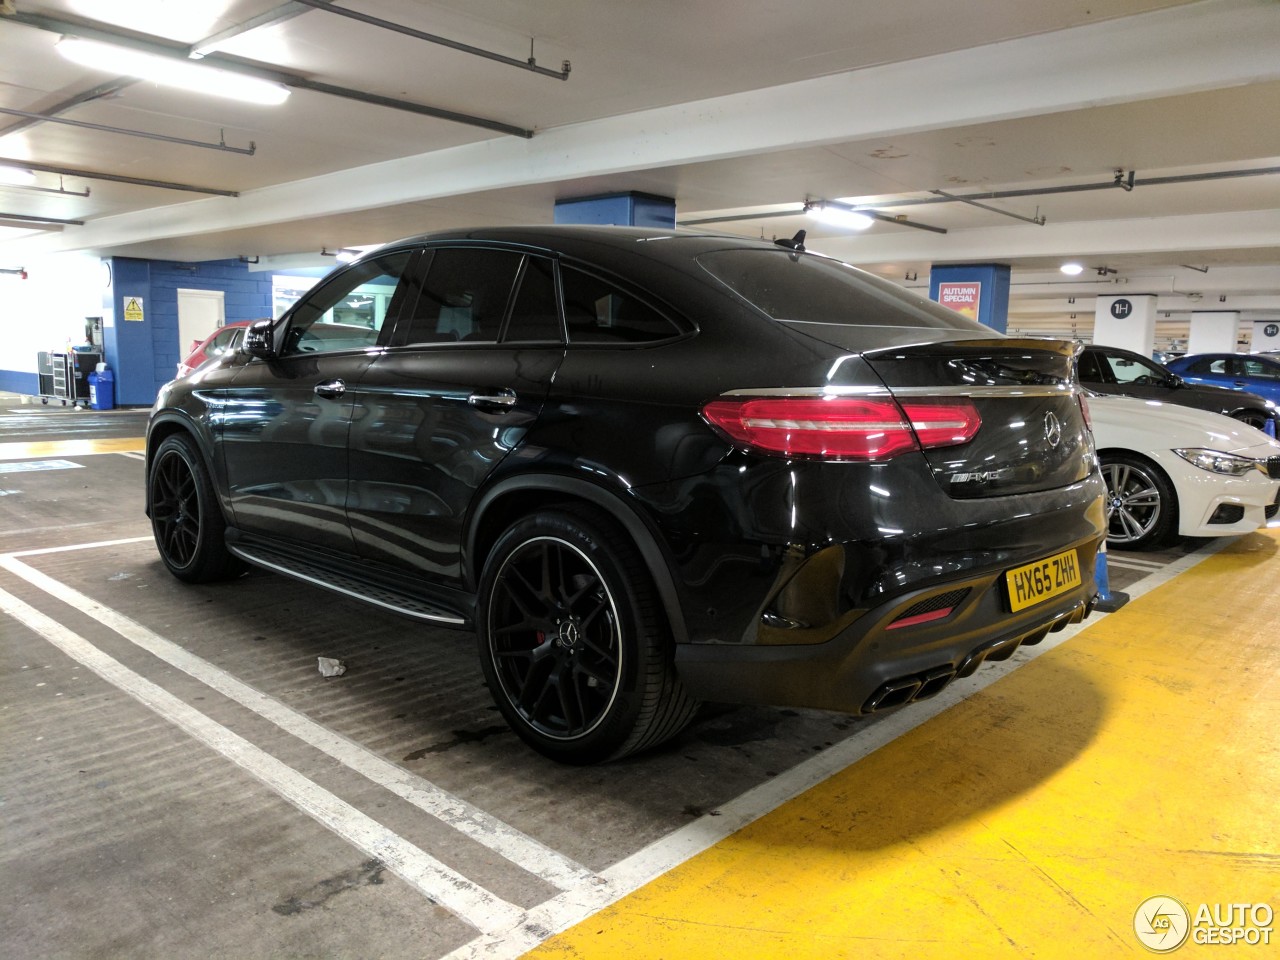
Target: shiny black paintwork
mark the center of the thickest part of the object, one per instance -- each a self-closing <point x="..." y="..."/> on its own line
<point x="778" y="576"/>
<point x="1167" y="386"/>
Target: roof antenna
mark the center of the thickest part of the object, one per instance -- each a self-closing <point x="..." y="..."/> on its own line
<point x="796" y="243"/>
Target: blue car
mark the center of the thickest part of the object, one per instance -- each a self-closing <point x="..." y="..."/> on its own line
<point x="1255" y="372"/>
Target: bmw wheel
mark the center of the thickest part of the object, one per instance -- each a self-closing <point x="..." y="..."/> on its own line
<point x="1142" y="508"/>
<point x="573" y="642"/>
<point x="186" y="518"/>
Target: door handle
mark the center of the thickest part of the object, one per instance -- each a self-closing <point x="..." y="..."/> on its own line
<point x="502" y="400"/>
<point x="330" y="389"/>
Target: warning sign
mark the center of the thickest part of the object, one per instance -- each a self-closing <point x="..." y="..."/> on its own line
<point x="961" y="297"/>
<point x="133" y="308"/>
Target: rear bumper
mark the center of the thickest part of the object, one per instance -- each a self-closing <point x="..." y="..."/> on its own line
<point x="871" y="666"/>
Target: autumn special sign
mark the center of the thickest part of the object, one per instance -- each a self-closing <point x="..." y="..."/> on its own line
<point x="961" y="297"/>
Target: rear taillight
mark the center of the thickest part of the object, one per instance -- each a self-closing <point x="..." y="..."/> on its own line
<point x="1084" y="411"/>
<point x="843" y="428"/>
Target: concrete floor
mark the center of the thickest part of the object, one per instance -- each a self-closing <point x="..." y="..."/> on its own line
<point x="178" y="779"/>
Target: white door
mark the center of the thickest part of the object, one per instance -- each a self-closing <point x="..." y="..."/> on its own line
<point x="200" y="312"/>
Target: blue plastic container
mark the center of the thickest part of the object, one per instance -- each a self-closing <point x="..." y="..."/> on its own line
<point x="102" y="389"/>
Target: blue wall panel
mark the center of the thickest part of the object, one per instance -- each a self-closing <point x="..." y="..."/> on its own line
<point x="619" y="209"/>
<point x="144" y="354"/>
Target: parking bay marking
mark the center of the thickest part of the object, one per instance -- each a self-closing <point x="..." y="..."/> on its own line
<point x="578" y="903"/>
<point x="513" y="845"/>
<point x="665" y="854"/>
<point x="471" y="903"/>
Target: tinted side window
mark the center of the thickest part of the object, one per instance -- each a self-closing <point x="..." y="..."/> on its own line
<point x="464" y="296"/>
<point x="535" y="314"/>
<point x="1257" y="368"/>
<point x="595" y="311"/>
<point x="349" y="309"/>
<point x="1128" y="369"/>
<point x="1090" y="371"/>
<point x="222" y="341"/>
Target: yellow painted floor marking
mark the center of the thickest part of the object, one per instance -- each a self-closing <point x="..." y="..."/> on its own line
<point x="39" y="449"/>
<point x="1140" y="758"/>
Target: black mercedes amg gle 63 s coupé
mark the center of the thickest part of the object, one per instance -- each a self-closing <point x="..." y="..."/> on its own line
<point x="647" y="468"/>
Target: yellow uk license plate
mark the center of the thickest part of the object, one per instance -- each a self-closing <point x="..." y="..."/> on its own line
<point x="1050" y="577"/>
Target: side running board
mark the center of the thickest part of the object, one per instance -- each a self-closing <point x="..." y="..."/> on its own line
<point x="347" y="584"/>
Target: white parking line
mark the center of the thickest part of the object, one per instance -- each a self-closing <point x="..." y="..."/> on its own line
<point x="508" y="939"/>
<point x="40" y="551"/>
<point x="558" y="914"/>
<point x="1134" y="563"/>
<point x="471" y="903"/>
<point x="505" y="840"/>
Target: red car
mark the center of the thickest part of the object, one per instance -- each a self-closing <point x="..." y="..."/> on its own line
<point x="223" y="340"/>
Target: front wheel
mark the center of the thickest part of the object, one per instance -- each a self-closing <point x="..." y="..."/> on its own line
<point x="1254" y="418"/>
<point x="1142" y="507"/>
<point x="573" y="641"/>
<point x="186" y="518"/>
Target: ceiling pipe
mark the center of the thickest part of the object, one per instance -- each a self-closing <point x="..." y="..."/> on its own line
<point x="531" y="64"/>
<point x="1077" y="187"/>
<point x="1038" y="220"/>
<point x="114" y="177"/>
<point x="59" y="190"/>
<point x="165" y="48"/>
<point x="899" y="221"/>
<point x="85" y="125"/>
<point x="870" y="206"/>
<point x="23" y="218"/>
<point x="101" y="91"/>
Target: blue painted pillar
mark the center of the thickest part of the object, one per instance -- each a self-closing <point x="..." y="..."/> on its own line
<point x="619" y="209"/>
<point x="978" y="290"/>
<point x="128" y="319"/>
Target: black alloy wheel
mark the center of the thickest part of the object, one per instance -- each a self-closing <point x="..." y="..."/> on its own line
<point x="185" y="516"/>
<point x="573" y="642"/>
<point x="1142" y="507"/>
<point x="1253" y="418"/>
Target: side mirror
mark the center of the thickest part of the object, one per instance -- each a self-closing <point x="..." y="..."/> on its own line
<point x="259" y="340"/>
<point x="1174" y="380"/>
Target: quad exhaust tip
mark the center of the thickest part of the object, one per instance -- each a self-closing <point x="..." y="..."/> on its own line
<point x="921" y="686"/>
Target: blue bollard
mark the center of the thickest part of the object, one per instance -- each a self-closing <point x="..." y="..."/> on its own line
<point x="1108" y="601"/>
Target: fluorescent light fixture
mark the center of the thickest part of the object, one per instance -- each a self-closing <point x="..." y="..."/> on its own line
<point x="16" y="176"/>
<point x="839" y="217"/>
<point x="171" y="72"/>
<point x="1072" y="269"/>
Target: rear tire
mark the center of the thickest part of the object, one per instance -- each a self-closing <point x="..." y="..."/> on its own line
<point x="186" y="517"/>
<point x="1142" y="506"/>
<point x="573" y="641"/>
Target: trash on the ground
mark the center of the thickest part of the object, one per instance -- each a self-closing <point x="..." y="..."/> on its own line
<point x="331" y="668"/>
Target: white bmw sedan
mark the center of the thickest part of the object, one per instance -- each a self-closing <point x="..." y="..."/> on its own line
<point x="1173" y="470"/>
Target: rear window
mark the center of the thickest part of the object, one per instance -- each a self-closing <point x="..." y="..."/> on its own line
<point x="805" y="288"/>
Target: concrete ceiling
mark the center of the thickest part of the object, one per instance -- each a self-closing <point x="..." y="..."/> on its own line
<point x="741" y="111"/>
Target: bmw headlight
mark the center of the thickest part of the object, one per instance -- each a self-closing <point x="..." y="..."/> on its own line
<point x="1215" y="461"/>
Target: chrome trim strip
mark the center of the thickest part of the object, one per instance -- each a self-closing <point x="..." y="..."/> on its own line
<point x="253" y="558"/>
<point x="1039" y="390"/>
